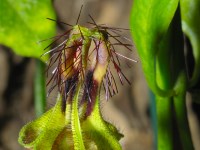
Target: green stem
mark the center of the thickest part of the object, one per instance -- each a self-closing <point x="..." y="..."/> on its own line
<point x="39" y="88"/>
<point x="153" y="117"/>
<point x="179" y="76"/>
<point x="164" y="104"/>
<point x="164" y="123"/>
<point x="182" y="122"/>
<point x="181" y="113"/>
<point x="170" y="63"/>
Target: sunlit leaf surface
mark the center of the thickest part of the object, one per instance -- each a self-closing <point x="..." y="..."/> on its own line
<point x="23" y="23"/>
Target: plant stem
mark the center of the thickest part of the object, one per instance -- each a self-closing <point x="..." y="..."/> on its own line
<point x="164" y="123"/>
<point x="153" y="117"/>
<point x="39" y="88"/>
<point x="164" y="104"/>
<point x="182" y="122"/>
<point x="179" y="76"/>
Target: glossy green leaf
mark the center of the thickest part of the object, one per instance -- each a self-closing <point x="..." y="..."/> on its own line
<point x="23" y="23"/>
<point x="150" y="20"/>
<point x="190" y="13"/>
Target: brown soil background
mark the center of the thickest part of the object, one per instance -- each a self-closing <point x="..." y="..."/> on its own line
<point x="128" y="110"/>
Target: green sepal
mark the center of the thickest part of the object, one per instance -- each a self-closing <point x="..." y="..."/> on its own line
<point x="104" y="134"/>
<point x="42" y="132"/>
<point x="75" y="123"/>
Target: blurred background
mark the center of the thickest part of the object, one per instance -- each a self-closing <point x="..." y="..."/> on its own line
<point x="129" y="110"/>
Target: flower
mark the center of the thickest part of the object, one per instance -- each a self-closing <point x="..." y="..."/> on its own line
<point x="76" y="122"/>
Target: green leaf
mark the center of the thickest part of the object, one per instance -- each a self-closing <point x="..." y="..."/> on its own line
<point x="23" y="23"/>
<point x="150" y="20"/>
<point x="190" y="14"/>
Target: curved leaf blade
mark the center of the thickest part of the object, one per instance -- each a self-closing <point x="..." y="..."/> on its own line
<point x="190" y="14"/>
<point x="23" y="24"/>
<point x="150" y="20"/>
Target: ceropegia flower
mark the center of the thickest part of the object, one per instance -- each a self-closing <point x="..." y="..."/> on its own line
<point x="75" y="122"/>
